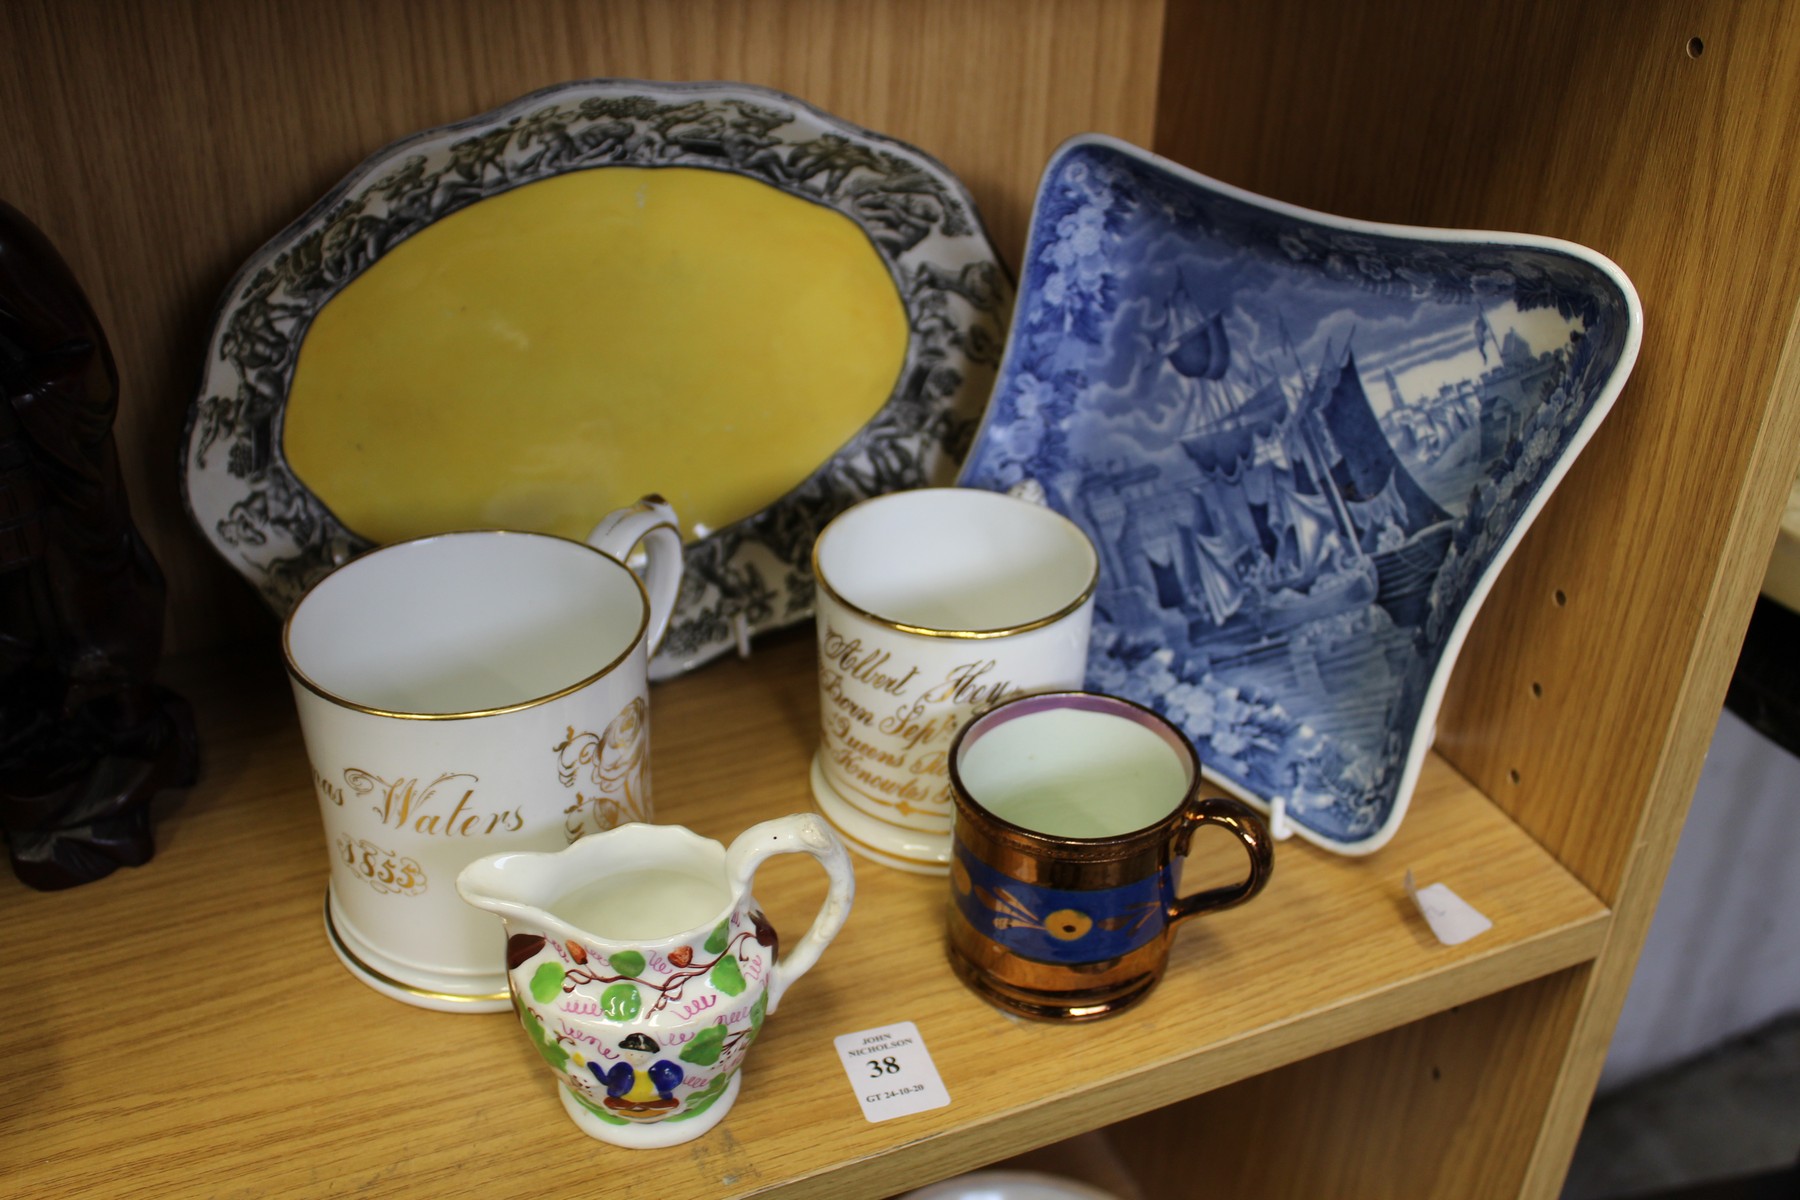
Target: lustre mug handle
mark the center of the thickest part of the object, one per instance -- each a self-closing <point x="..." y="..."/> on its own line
<point x="651" y="521"/>
<point x="803" y="833"/>
<point x="1238" y="819"/>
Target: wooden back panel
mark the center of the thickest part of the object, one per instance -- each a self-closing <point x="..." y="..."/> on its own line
<point x="159" y="145"/>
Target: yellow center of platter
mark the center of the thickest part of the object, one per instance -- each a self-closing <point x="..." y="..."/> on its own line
<point x="556" y="351"/>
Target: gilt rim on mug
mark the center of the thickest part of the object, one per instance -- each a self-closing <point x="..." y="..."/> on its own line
<point x="287" y="650"/>
<point x="1086" y="593"/>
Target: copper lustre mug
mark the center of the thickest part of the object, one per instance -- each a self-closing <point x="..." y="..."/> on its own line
<point x="1074" y="813"/>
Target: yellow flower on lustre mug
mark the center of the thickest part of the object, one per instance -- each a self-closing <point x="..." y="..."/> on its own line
<point x="465" y="694"/>
<point x="934" y="605"/>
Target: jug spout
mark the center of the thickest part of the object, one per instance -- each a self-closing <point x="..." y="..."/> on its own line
<point x="544" y="893"/>
<point x="510" y="885"/>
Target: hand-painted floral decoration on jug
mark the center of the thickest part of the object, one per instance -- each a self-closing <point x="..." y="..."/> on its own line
<point x="642" y="968"/>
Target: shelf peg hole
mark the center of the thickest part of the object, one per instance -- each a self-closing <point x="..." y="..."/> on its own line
<point x="1695" y="47"/>
<point x="1514" y="776"/>
<point x="1561" y="597"/>
<point x="1537" y="690"/>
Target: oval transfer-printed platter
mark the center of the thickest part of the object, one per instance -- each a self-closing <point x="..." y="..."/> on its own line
<point x="603" y="289"/>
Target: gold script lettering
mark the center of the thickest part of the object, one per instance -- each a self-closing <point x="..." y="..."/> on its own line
<point x="966" y="684"/>
<point x="934" y="762"/>
<point x="328" y="789"/>
<point x="841" y="728"/>
<point x="900" y="790"/>
<point x="911" y="726"/>
<point x="403" y="803"/>
<point x="831" y="685"/>
<point x="865" y="666"/>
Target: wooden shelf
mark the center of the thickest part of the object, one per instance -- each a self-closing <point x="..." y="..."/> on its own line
<point x="183" y="1029"/>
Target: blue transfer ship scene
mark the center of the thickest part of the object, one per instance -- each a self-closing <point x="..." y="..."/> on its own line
<point x="1299" y="449"/>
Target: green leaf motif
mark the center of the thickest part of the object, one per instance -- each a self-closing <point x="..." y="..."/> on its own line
<point x="546" y="982"/>
<point x="758" y="1011"/>
<point x="609" y="1118"/>
<point x="726" y="977"/>
<point x="702" y="1100"/>
<point x="555" y="1055"/>
<point x="628" y="963"/>
<point x="721" y="938"/>
<point x="706" y="1047"/>
<point x="621" y="1002"/>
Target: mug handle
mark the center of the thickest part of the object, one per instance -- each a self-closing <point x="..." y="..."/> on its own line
<point x="1243" y="823"/>
<point x="803" y="833"/>
<point x="651" y="521"/>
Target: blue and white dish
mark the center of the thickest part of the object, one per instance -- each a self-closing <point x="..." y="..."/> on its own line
<point x="1304" y="445"/>
<point x="741" y="578"/>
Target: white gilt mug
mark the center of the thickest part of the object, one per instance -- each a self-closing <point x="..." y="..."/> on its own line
<point x="934" y="606"/>
<point x="465" y="694"/>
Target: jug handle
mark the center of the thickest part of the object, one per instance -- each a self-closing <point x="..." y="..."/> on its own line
<point x="652" y="521"/>
<point x="803" y="833"/>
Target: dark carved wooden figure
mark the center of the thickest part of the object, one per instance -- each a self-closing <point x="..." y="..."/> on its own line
<point x="86" y="735"/>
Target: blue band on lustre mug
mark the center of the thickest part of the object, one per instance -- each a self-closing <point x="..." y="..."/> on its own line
<point x="1059" y="925"/>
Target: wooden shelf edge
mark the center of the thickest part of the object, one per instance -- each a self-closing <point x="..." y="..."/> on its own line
<point x="1001" y="1135"/>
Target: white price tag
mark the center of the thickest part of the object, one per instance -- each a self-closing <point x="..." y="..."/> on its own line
<point x="891" y="1072"/>
<point x="1452" y="918"/>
